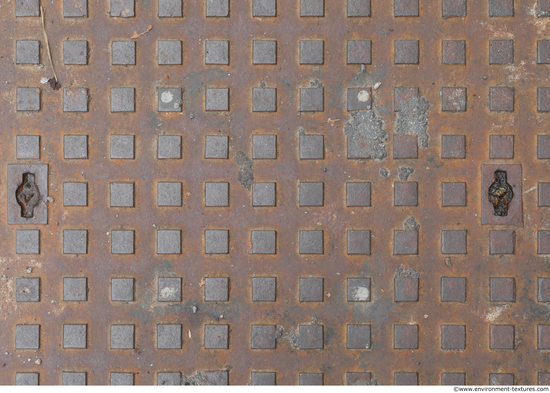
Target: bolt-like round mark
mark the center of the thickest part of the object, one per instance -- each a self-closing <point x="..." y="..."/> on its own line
<point x="363" y="96"/>
<point x="166" y="97"/>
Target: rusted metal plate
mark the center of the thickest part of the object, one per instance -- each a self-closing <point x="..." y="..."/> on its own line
<point x="260" y="192"/>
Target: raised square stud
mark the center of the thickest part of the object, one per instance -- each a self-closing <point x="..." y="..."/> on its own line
<point x="75" y="194"/>
<point x="122" y="8"/>
<point x="264" y="242"/>
<point x="75" y="8"/>
<point x="453" y="99"/>
<point x="122" y="146"/>
<point x="359" y="52"/>
<point x="27" y="241"/>
<point x="169" y="194"/>
<point x="216" y="289"/>
<point x="501" y="51"/>
<point x="544" y="378"/>
<point x="502" y="146"/>
<point x="217" y="100"/>
<point x="169" y="146"/>
<point x="402" y="96"/>
<point x="543" y="103"/>
<point x="122" y="379"/>
<point x="169" y="99"/>
<point x="544" y="337"/>
<point x="358" y="379"/>
<point x="73" y="379"/>
<point x="359" y="290"/>
<point x="543" y="242"/>
<point x="264" y="99"/>
<point x="122" y="336"/>
<point x="358" y="337"/>
<point x="74" y="336"/>
<point x="27" y="52"/>
<point x="311" y="289"/>
<point x="405" y="337"/>
<point x="170" y="9"/>
<point x="216" y="52"/>
<point x="453" y="8"/>
<point x="502" y="337"/>
<point x="406" y="193"/>
<point x="216" y="194"/>
<point x="543" y="51"/>
<point x="503" y="289"/>
<point x="501" y="379"/>
<point x="358" y="8"/>
<point x="311" y="194"/>
<point x="75" y="100"/>
<point x="263" y="194"/>
<point x="406" y="51"/>
<point x="264" y="289"/>
<point x="75" y="146"/>
<point x="28" y="99"/>
<point x="312" y="8"/>
<point x="217" y="8"/>
<point x="122" y="99"/>
<point x="259" y="379"/>
<point x="456" y="379"/>
<point x="264" y="51"/>
<point x="216" y="241"/>
<point x="453" y="146"/>
<point x="75" y="289"/>
<point x="311" y="99"/>
<point x="453" y="242"/>
<point x="169" y="379"/>
<point x="405" y="146"/>
<point x="122" y="289"/>
<point x="406" y="289"/>
<point x="29" y="379"/>
<point x="169" y="241"/>
<point x="311" y="51"/>
<point x="454" y="52"/>
<point x="169" y="52"/>
<point x="453" y="194"/>
<point x="75" y="241"/>
<point x="501" y="8"/>
<point x="75" y="52"/>
<point x="123" y="53"/>
<point x="311" y="242"/>
<point x="359" y="242"/>
<point x="544" y="289"/>
<point x="28" y="289"/>
<point x="216" y="336"/>
<point x="311" y="337"/>
<point x="122" y="242"/>
<point x="405" y="242"/>
<point x="405" y="8"/>
<point x="502" y="99"/>
<point x="169" y="336"/>
<point x="359" y="99"/>
<point x="543" y="151"/>
<point x="358" y="194"/>
<point x="122" y="194"/>
<point x="216" y="146"/>
<point x="453" y="289"/>
<point x="27" y="336"/>
<point x="28" y="147"/>
<point x="217" y="378"/>
<point x="27" y="8"/>
<point x="264" y="8"/>
<point x="309" y="379"/>
<point x="312" y="147"/>
<point x="502" y="242"/>
<point x="405" y="379"/>
<point x="453" y="337"/>
<point x="169" y="289"/>
<point x="263" y="337"/>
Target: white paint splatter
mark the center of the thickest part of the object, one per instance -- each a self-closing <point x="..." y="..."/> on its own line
<point x="167" y="292"/>
<point x="166" y="97"/>
<point x="492" y="314"/>
<point x="363" y="96"/>
<point x="361" y="294"/>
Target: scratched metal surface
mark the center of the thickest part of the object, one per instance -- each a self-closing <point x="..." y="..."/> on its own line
<point x="433" y="359"/>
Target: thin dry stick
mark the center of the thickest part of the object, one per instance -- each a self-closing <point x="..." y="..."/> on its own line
<point x="47" y="43"/>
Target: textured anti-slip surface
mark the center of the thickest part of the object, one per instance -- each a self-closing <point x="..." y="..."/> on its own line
<point x="275" y="192"/>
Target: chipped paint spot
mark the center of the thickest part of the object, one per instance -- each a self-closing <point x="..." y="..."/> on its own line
<point x="361" y="294"/>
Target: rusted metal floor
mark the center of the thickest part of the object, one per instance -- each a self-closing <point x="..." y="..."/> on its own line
<point x="263" y="191"/>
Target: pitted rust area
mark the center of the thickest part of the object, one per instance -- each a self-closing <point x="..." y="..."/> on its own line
<point x="275" y="192"/>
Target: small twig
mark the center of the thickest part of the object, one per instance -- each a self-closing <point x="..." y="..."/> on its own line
<point x="48" y="43"/>
<point x="331" y="121"/>
<point x="536" y="229"/>
<point x="136" y="35"/>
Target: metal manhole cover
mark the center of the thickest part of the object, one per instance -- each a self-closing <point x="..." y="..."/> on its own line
<point x="261" y="192"/>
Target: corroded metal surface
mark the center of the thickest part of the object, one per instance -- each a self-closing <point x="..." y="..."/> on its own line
<point x="384" y="272"/>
